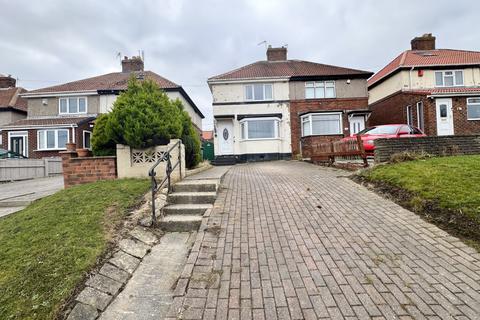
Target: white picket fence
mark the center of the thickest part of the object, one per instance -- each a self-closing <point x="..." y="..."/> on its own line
<point x="22" y="169"/>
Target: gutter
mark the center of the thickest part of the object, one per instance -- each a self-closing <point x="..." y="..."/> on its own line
<point x="58" y="94"/>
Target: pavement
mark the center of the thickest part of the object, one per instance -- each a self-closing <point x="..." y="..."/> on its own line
<point x="290" y="240"/>
<point x="15" y="196"/>
<point x="148" y="294"/>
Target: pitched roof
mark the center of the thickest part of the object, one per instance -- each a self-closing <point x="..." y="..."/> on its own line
<point x="287" y="69"/>
<point x="109" y="81"/>
<point x="427" y="58"/>
<point x="38" y="122"/>
<point x="10" y="99"/>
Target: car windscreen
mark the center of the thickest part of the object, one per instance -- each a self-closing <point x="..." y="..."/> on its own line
<point x="380" y="130"/>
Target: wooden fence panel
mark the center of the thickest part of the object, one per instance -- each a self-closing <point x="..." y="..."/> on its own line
<point x="22" y="169"/>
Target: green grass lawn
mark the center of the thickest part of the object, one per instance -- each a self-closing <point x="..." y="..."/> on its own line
<point x="46" y="249"/>
<point x="451" y="182"/>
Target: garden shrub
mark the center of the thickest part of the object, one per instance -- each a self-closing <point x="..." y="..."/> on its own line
<point x="409" y="156"/>
<point x="144" y="116"/>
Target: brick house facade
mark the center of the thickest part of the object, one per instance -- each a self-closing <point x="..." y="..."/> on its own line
<point x="302" y="145"/>
<point x="393" y="109"/>
<point x="443" y="83"/>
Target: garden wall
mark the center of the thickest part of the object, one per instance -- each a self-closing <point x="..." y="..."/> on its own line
<point x="436" y="146"/>
<point x="135" y="163"/>
<point x="80" y="170"/>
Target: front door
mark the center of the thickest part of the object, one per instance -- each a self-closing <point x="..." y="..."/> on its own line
<point x="18" y="143"/>
<point x="444" y="117"/>
<point x="357" y="124"/>
<point x="225" y="137"/>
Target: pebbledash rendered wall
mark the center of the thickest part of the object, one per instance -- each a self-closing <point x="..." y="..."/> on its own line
<point x="436" y="146"/>
<point x="135" y="163"/>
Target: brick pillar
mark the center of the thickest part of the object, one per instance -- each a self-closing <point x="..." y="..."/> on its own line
<point x="67" y="167"/>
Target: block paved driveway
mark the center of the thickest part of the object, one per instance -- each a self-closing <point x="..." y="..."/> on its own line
<point x="297" y="241"/>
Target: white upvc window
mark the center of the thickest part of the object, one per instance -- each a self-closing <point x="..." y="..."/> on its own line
<point x="321" y="124"/>
<point x="72" y="105"/>
<point x="259" y="92"/>
<point x="449" y="78"/>
<point x="320" y="89"/>
<point x="420" y="116"/>
<point x="52" y="139"/>
<point x="409" y="116"/>
<point x="260" y="128"/>
<point x="473" y="108"/>
<point x="87" y="136"/>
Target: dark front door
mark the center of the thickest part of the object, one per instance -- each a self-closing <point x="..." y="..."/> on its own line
<point x="17" y="145"/>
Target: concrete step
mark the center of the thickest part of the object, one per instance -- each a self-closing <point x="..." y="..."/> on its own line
<point x="180" y="223"/>
<point x="191" y="197"/>
<point x="195" y="186"/>
<point x="187" y="209"/>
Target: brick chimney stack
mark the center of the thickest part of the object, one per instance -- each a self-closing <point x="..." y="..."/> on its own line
<point x="276" y="54"/>
<point x="132" y="64"/>
<point x="425" y="42"/>
<point x="7" y="81"/>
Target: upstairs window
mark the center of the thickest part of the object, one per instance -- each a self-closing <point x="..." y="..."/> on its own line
<point x="72" y="105"/>
<point x="448" y="78"/>
<point x="259" y="92"/>
<point x="319" y="89"/>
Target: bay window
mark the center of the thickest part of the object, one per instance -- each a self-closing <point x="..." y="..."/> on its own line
<point x="321" y="124"/>
<point x="449" y="78"/>
<point x="320" y="89"/>
<point x="52" y="139"/>
<point x="259" y="128"/>
<point x="473" y="108"/>
<point x="72" y="105"/>
<point x="259" y="92"/>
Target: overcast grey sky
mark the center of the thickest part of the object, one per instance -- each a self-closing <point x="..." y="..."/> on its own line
<point x="47" y="42"/>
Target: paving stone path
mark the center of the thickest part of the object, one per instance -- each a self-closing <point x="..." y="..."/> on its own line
<point x="289" y="240"/>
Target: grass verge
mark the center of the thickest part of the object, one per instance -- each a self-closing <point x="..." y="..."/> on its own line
<point x="444" y="190"/>
<point x="47" y="248"/>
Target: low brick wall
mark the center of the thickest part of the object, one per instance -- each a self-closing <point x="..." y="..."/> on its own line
<point x="437" y="146"/>
<point x="85" y="170"/>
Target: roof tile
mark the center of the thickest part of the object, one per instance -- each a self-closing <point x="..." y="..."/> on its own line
<point x="427" y="58"/>
<point x="9" y="98"/>
<point x="110" y="81"/>
<point x="286" y="69"/>
<point x="49" y="121"/>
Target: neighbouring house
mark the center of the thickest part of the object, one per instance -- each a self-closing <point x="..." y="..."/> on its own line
<point x="437" y="90"/>
<point x="12" y="106"/>
<point x="275" y="108"/>
<point x="66" y="113"/>
<point x="207" y="135"/>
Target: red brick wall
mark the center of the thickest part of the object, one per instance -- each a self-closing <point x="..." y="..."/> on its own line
<point x="32" y="142"/>
<point x="461" y="124"/>
<point x="393" y="109"/>
<point x="299" y="107"/>
<point x="85" y="170"/>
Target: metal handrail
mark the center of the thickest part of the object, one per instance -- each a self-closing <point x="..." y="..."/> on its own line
<point x="168" y="171"/>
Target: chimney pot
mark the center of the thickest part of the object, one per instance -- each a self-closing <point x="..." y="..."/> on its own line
<point x="7" y="82"/>
<point x="425" y="42"/>
<point x="276" y="54"/>
<point x="132" y="64"/>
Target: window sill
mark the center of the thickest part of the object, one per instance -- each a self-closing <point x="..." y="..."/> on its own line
<point x="473" y="119"/>
<point x="259" y="139"/>
<point x="43" y="150"/>
<point x="323" y="135"/>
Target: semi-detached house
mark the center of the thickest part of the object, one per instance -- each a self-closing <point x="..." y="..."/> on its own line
<point x="437" y="90"/>
<point x="66" y="112"/>
<point x="277" y="108"/>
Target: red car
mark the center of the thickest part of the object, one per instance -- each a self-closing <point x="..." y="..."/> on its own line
<point x="387" y="131"/>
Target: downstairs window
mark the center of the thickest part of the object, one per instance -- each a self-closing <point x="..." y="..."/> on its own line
<point x="254" y="129"/>
<point x="52" y="139"/>
<point x="321" y="124"/>
<point x="473" y="108"/>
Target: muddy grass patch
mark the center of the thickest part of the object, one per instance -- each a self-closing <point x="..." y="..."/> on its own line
<point x="455" y="222"/>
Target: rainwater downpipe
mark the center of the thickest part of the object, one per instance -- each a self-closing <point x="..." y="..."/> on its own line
<point x="410" y="78"/>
